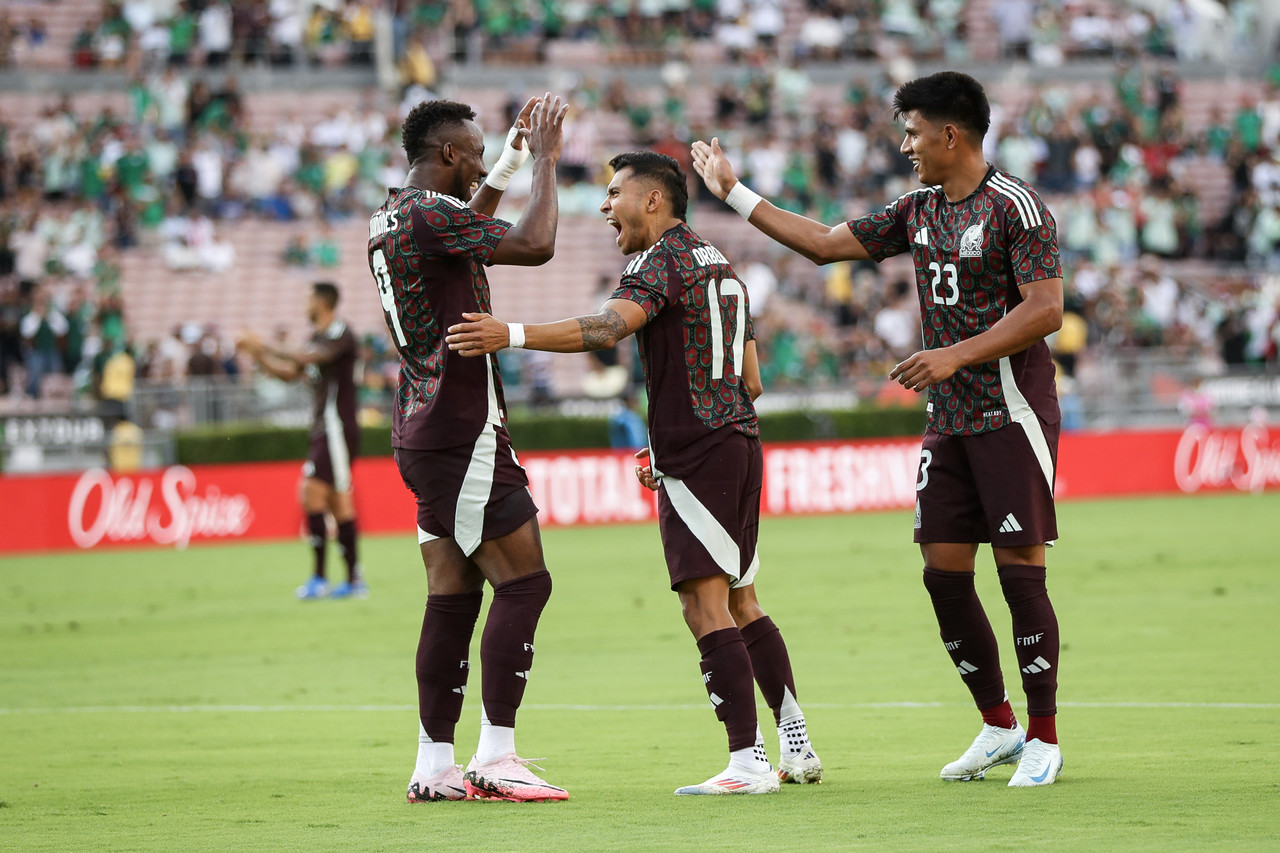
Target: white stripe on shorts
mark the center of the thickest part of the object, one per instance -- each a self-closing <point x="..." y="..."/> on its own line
<point x="424" y="536"/>
<point x="468" y="520"/>
<point x="1021" y="413"/>
<point x="336" y="437"/>
<point x="707" y="530"/>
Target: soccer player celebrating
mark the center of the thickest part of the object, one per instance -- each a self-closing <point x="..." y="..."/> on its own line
<point x="691" y="314"/>
<point x="428" y="246"/>
<point x="328" y="364"/>
<point x="990" y="287"/>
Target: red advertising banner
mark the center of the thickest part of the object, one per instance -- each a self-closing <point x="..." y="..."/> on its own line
<point x="180" y="505"/>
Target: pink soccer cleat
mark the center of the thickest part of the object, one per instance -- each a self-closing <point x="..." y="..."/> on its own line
<point x="448" y="784"/>
<point x="509" y="778"/>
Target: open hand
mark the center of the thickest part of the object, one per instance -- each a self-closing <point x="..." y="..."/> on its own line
<point x="480" y="335"/>
<point x="546" y="127"/>
<point x="713" y="167"/>
<point x="520" y="130"/>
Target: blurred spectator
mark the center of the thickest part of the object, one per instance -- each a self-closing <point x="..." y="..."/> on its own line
<point x="43" y="332"/>
<point x="114" y="374"/>
<point x="215" y="28"/>
<point x="627" y="428"/>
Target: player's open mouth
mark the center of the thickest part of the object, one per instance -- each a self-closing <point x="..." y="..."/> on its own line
<point x="617" y="226"/>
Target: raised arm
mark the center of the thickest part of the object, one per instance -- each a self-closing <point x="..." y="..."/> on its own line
<point x="1039" y="314"/>
<point x="820" y="243"/>
<point x="532" y="240"/>
<point x="270" y="360"/>
<point x="482" y="334"/>
<point x="514" y="153"/>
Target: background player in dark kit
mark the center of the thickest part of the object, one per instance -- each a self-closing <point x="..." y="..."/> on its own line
<point x="990" y="288"/>
<point x="428" y="246"/>
<point x="328" y="365"/>
<point x="692" y="319"/>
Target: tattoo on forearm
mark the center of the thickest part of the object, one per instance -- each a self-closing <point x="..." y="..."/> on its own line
<point x="602" y="330"/>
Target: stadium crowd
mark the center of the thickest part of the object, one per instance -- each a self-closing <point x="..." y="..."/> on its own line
<point x="77" y="189"/>
<point x="150" y="33"/>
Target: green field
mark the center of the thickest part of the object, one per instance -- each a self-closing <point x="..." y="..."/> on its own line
<point x="161" y="700"/>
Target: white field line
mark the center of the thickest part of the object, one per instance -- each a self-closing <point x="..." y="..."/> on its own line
<point x="700" y="706"/>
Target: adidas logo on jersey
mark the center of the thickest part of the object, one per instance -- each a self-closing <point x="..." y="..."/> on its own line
<point x="971" y="240"/>
<point x="921" y="238"/>
<point x="1010" y="524"/>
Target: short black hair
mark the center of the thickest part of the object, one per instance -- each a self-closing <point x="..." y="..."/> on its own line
<point x="663" y="170"/>
<point x="328" y="291"/>
<point x="427" y="119"/>
<point x="948" y="96"/>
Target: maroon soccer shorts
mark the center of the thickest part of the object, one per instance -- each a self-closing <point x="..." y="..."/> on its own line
<point x="333" y="469"/>
<point x="472" y="493"/>
<point x="709" y="520"/>
<point x="993" y="487"/>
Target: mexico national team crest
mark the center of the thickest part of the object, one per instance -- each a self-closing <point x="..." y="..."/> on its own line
<point x="971" y="240"/>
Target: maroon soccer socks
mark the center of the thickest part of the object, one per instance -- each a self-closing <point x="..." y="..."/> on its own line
<point x="506" y="647"/>
<point x="966" y="633"/>
<point x="318" y="539"/>
<point x="726" y="673"/>
<point x="1035" y="639"/>
<point x="347" y="543"/>
<point x="442" y="664"/>
<point x="770" y="663"/>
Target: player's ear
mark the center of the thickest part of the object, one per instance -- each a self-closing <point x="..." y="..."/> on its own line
<point x="653" y="203"/>
<point x="448" y="153"/>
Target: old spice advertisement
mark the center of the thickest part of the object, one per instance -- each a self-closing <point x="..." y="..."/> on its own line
<point x="180" y="505"/>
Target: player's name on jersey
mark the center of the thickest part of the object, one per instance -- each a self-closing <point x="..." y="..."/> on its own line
<point x="708" y="255"/>
<point x="382" y="222"/>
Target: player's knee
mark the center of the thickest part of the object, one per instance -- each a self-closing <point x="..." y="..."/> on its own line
<point x="745" y="612"/>
<point x="532" y="589"/>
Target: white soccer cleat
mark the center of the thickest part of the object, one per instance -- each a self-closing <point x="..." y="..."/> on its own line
<point x="992" y="747"/>
<point x="448" y="784"/>
<point x="509" y="778"/>
<point x="1041" y="764"/>
<point x="735" y="781"/>
<point x="800" y="769"/>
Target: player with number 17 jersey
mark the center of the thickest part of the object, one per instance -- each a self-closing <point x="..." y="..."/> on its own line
<point x="692" y="348"/>
<point x="427" y="252"/>
<point x="970" y="258"/>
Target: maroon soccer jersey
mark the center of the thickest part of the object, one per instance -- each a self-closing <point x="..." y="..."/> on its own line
<point x="427" y="252"/>
<point x="970" y="257"/>
<point x="332" y="378"/>
<point x="691" y="348"/>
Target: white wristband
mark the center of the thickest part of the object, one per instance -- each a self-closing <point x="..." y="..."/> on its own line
<point x="515" y="335"/>
<point x="508" y="164"/>
<point x="743" y="199"/>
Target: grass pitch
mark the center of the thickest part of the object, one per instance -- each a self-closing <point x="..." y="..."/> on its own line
<point x="161" y="700"/>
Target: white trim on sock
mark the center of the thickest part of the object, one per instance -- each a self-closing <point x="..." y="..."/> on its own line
<point x="789" y="708"/>
<point x="433" y="757"/>
<point x="752" y="759"/>
<point x="495" y="742"/>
